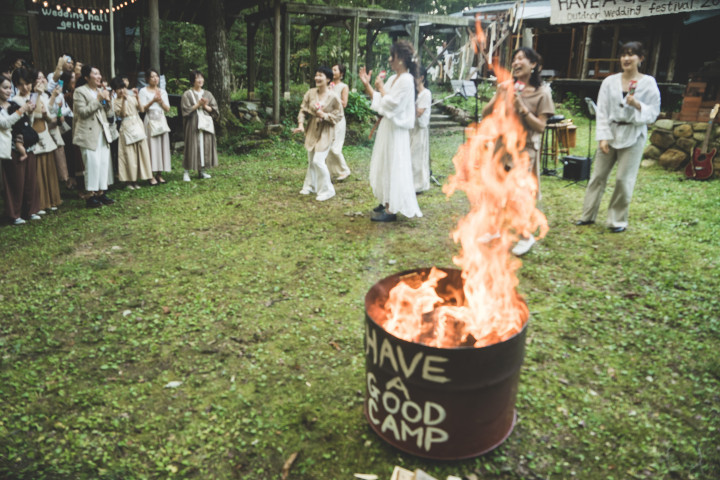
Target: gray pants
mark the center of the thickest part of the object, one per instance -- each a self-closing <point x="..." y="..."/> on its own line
<point x="628" y="162"/>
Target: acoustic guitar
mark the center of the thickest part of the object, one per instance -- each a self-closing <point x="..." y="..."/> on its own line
<point x="701" y="165"/>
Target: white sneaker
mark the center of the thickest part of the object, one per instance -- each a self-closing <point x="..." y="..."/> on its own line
<point x="41" y="212"/>
<point x="523" y="246"/>
<point x="35" y="217"/>
<point x="204" y="175"/>
<point x="186" y="177"/>
<point x="342" y="177"/>
<point x="53" y="208"/>
<point x="305" y="191"/>
<point x="18" y="221"/>
<point x="322" y="198"/>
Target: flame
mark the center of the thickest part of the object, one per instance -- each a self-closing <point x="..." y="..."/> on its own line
<point x="494" y="172"/>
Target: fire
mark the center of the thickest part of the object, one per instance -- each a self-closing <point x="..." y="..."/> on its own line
<point x="494" y="172"/>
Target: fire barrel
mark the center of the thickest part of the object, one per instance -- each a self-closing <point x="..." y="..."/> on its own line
<point x="438" y="403"/>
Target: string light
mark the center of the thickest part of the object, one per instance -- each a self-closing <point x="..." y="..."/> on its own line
<point x="62" y="6"/>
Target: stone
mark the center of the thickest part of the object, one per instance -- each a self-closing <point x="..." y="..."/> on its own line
<point x="699" y="137"/>
<point x="683" y="130"/>
<point x="699" y="126"/>
<point x="651" y="151"/>
<point x="250" y="106"/>
<point x="662" y="139"/>
<point x="685" y="144"/>
<point x="178" y="147"/>
<point x="672" y="159"/>
<point x="665" y="124"/>
<point x="273" y="129"/>
<point x="648" y="163"/>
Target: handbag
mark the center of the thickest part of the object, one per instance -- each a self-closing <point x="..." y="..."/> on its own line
<point x="158" y="124"/>
<point x="133" y="130"/>
<point x="205" y="121"/>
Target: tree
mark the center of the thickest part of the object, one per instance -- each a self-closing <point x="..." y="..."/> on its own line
<point x="218" y="58"/>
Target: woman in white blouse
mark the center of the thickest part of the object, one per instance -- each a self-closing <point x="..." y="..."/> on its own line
<point x="627" y="103"/>
<point x="420" y="135"/>
<point x="390" y="165"/>
<point x="154" y="101"/>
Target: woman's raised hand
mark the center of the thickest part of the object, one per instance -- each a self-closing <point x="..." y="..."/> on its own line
<point x="365" y="76"/>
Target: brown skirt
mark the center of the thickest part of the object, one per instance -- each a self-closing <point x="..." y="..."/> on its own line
<point x="47" y="180"/>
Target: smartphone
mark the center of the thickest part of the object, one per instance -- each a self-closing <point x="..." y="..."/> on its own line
<point x="60" y="84"/>
<point x="33" y="98"/>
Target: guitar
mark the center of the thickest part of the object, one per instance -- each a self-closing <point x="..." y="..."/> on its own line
<point x="701" y="165"/>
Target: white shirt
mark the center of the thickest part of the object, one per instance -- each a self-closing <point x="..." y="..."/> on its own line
<point x="619" y="123"/>
<point x="145" y="95"/>
<point x="424" y="100"/>
<point x="398" y="104"/>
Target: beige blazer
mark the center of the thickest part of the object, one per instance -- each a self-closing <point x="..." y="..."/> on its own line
<point x="89" y="118"/>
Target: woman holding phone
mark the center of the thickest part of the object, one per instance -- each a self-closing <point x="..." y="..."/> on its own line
<point x="627" y="103"/>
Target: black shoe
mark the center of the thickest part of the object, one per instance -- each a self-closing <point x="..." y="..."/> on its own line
<point x="617" y="229"/>
<point x="384" y="217"/>
<point x="93" y="202"/>
<point x="379" y="208"/>
<point x="580" y="223"/>
<point x="105" y="200"/>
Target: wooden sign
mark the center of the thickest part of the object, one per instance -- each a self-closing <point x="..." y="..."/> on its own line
<point x="594" y="11"/>
<point x="73" y="21"/>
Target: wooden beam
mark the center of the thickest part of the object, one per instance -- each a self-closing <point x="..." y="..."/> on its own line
<point x="286" y="26"/>
<point x="586" y="51"/>
<point x="354" y="41"/>
<point x="673" y="53"/>
<point x="154" y="14"/>
<point x="252" y="28"/>
<point x="276" y="62"/>
<point x="652" y="66"/>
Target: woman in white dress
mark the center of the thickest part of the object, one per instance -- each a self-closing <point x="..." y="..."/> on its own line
<point x="420" y="135"/>
<point x="627" y="103"/>
<point x="324" y="111"/>
<point x="155" y="103"/>
<point x="390" y="165"/>
<point x="335" y="160"/>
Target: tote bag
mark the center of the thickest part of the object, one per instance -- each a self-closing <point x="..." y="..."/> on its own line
<point x="205" y="121"/>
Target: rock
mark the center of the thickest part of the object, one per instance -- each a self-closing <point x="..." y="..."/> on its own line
<point x="273" y="129"/>
<point x="178" y="147"/>
<point x="699" y="136"/>
<point x="683" y="130"/>
<point x="648" y="163"/>
<point x="665" y="124"/>
<point x="269" y="111"/>
<point x="699" y="126"/>
<point x="685" y="144"/>
<point x="672" y="159"/>
<point x="250" y="106"/>
<point x="662" y="139"/>
<point x="651" y="151"/>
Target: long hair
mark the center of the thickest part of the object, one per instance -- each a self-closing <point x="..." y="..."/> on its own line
<point x="535" y="58"/>
<point x="404" y="50"/>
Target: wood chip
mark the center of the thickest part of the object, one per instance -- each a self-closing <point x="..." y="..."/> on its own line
<point x="288" y="463"/>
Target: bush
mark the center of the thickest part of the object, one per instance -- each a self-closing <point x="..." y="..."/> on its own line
<point x="358" y="109"/>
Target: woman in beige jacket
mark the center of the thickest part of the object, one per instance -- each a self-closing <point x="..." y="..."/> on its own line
<point x="91" y="132"/>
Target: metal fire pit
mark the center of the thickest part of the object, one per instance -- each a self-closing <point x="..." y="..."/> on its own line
<point x="438" y="403"/>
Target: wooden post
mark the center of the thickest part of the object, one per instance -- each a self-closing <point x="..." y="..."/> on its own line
<point x="586" y="51"/>
<point x="112" y="41"/>
<point x="369" y="57"/>
<point x="673" y="54"/>
<point x="286" y="53"/>
<point x="569" y="72"/>
<point x="652" y="67"/>
<point x="276" y="62"/>
<point x="415" y="35"/>
<point x="314" y="35"/>
<point x="154" y="14"/>
<point x="252" y="73"/>
<point x="616" y="38"/>
<point x="354" y="41"/>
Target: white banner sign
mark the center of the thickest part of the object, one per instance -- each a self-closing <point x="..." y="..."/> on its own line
<point x="594" y="11"/>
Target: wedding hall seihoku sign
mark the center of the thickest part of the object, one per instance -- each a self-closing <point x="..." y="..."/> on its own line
<point x="594" y="11"/>
<point x="74" y="21"/>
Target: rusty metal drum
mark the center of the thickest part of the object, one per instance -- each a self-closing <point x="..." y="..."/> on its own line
<point x="438" y="403"/>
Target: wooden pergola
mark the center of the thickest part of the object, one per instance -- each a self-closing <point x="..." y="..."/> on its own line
<point x="283" y="15"/>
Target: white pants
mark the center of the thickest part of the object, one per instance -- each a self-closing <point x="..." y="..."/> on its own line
<point x="317" y="178"/>
<point x="336" y="161"/>
<point x="628" y="162"/>
<point x="98" y="166"/>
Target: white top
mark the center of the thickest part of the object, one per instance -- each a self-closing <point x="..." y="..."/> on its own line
<point x="6" y="123"/>
<point x="398" y="104"/>
<point x="145" y="95"/>
<point x="617" y="122"/>
<point x="424" y="100"/>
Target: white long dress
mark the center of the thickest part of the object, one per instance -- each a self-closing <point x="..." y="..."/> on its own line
<point x="335" y="160"/>
<point x="420" y="143"/>
<point x="390" y="165"/>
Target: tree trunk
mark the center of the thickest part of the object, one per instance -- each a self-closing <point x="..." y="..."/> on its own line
<point x="218" y="59"/>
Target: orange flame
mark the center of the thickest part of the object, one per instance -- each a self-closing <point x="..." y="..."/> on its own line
<point x="493" y="170"/>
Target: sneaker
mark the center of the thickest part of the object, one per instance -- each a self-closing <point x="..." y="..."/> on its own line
<point x="204" y="175"/>
<point x="327" y="196"/>
<point x="342" y="177"/>
<point x="130" y="187"/>
<point x="186" y="177"/>
<point x="53" y="208"/>
<point x="105" y="200"/>
<point x="41" y="212"/>
<point x="523" y="246"/>
<point x="305" y="191"/>
<point x="35" y="217"/>
<point x="379" y="208"/>
<point x="93" y="202"/>
<point x="18" y="221"/>
<point x="384" y="217"/>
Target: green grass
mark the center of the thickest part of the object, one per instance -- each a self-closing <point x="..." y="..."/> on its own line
<point x="252" y="296"/>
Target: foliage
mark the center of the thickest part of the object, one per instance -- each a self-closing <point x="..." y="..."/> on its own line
<point x="574" y="103"/>
<point x="252" y="296"/>
<point x="358" y="108"/>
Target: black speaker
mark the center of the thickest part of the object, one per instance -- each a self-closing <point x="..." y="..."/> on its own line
<point x="576" y="168"/>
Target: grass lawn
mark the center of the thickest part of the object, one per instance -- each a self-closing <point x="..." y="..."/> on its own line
<point x="251" y="296"/>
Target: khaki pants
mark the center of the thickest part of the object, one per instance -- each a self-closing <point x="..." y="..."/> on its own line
<point x="628" y="162"/>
